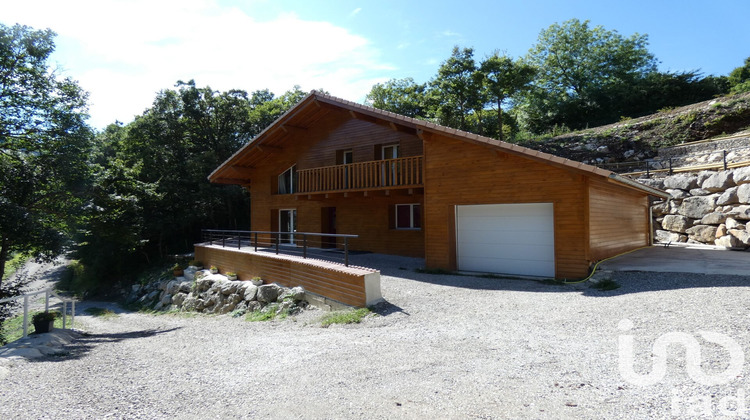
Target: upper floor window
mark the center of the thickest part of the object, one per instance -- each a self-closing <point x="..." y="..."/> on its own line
<point x="389" y="151"/>
<point x="344" y="157"/>
<point x="288" y="181"/>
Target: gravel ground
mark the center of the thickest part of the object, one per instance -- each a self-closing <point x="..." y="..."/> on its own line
<point x="442" y="347"/>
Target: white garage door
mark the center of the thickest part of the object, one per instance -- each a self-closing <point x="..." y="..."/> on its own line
<point x="506" y="238"/>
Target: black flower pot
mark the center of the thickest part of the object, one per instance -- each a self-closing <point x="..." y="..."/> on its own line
<point x="44" y="326"/>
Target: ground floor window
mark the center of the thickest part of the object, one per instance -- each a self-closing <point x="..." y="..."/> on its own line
<point x="408" y="216"/>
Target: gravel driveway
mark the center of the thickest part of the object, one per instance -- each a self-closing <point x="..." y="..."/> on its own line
<point x="443" y="347"/>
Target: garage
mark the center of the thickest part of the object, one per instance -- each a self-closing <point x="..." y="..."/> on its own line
<point x="506" y="238"/>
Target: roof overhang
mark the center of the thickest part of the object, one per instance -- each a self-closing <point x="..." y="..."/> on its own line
<point x="238" y="168"/>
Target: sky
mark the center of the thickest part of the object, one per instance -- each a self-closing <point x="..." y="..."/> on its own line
<point x="125" y="51"/>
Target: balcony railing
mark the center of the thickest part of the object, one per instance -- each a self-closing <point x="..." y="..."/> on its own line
<point x="325" y="246"/>
<point x="378" y="174"/>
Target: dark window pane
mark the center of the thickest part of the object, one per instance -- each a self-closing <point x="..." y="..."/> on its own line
<point x="417" y="216"/>
<point x="403" y="216"/>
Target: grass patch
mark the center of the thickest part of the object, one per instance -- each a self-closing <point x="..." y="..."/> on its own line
<point x="266" y="314"/>
<point x="101" y="313"/>
<point x="13" y="327"/>
<point x="14" y="263"/>
<point x="605" y="285"/>
<point x="344" y="317"/>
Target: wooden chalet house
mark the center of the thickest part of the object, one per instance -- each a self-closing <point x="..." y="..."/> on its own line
<point x="410" y="187"/>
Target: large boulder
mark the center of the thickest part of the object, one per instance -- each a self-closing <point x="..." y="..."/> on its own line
<point x="268" y="293"/>
<point x="741" y="213"/>
<point x="697" y="207"/>
<point x="251" y="292"/>
<point x="743" y="193"/>
<point x="742" y="175"/>
<point x="665" y="236"/>
<point x="229" y="287"/>
<point x="718" y="182"/>
<point x="677" y="194"/>
<point x="728" y="197"/>
<point x="728" y="241"/>
<point x="699" y="191"/>
<point x="681" y="181"/>
<point x="734" y="224"/>
<point x="702" y="233"/>
<point x="715" y="218"/>
<point x="742" y="235"/>
<point x="676" y="223"/>
<point x="179" y="299"/>
<point x="660" y="209"/>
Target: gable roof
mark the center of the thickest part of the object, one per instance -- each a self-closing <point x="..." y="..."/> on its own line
<point x="316" y="105"/>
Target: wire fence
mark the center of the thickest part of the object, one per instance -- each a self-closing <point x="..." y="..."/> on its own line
<point x="717" y="159"/>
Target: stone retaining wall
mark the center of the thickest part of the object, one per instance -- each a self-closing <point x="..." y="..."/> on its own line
<point x="707" y="207"/>
<point x="201" y="291"/>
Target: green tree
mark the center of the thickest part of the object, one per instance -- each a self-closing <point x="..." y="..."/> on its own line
<point x="577" y="65"/>
<point x="44" y="141"/>
<point x="502" y="78"/>
<point x="739" y="78"/>
<point x="401" y="96"/>
<point x="150" y="194"/>
<point x="458" y="89"/>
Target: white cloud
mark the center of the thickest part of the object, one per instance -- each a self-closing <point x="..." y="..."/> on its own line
<point x="355" y="12"/>
<point x="123" y="52"/>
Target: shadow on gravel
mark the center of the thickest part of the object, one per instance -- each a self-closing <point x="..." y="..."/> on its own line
<point x="83" y="345"/>
<point x="643" y="281"/>
<point x="386" y="308"/>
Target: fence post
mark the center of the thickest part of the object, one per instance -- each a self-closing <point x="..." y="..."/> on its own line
<point x="223" y="240"/>
<point x="725" y="159"/>
<point x="648" y="174"/>
<point x="256" y="241"/>
<point x="239" y="240"/>
<point x="346" y="251"/>
<point x="304" y="246"/>
<point x="25" y="316"/>
<point x="65" y="311"/>
<point x="670" y="166"/>
<point x="278" y="239"/>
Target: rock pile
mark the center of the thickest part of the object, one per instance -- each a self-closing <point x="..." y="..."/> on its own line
<point x="708" y="208"/>
<point x="201" y="291"/>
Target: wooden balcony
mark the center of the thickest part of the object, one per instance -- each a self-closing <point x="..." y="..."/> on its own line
<point x="374" y="175"/>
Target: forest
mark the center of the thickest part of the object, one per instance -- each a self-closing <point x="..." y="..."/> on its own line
<point x="127" y="197"/>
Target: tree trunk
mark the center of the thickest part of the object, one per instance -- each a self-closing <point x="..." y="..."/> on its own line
<point x="499" y="120"/>
<point x="3" y="257"/>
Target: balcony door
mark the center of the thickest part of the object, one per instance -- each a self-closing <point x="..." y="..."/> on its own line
<point x="287" y="226"/>
<point x="389" y="170"/>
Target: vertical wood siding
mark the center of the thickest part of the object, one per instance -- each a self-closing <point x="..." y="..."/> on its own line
<point x="618" y="219"/>
<point x="458" y="172"/>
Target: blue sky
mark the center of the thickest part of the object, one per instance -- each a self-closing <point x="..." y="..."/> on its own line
<point x="124" y="51"/>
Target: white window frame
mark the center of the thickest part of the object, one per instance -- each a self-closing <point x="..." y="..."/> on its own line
<point x="292" y="181"/>
<point x="411" y="217"/>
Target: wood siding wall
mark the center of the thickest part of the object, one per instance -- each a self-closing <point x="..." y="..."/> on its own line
<point x="618" y="219"/>
<point x="361" y="137"/>
<point x="347" y="285"/>
<point x="458" y="173"/>
<point x="356" y="213"/>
